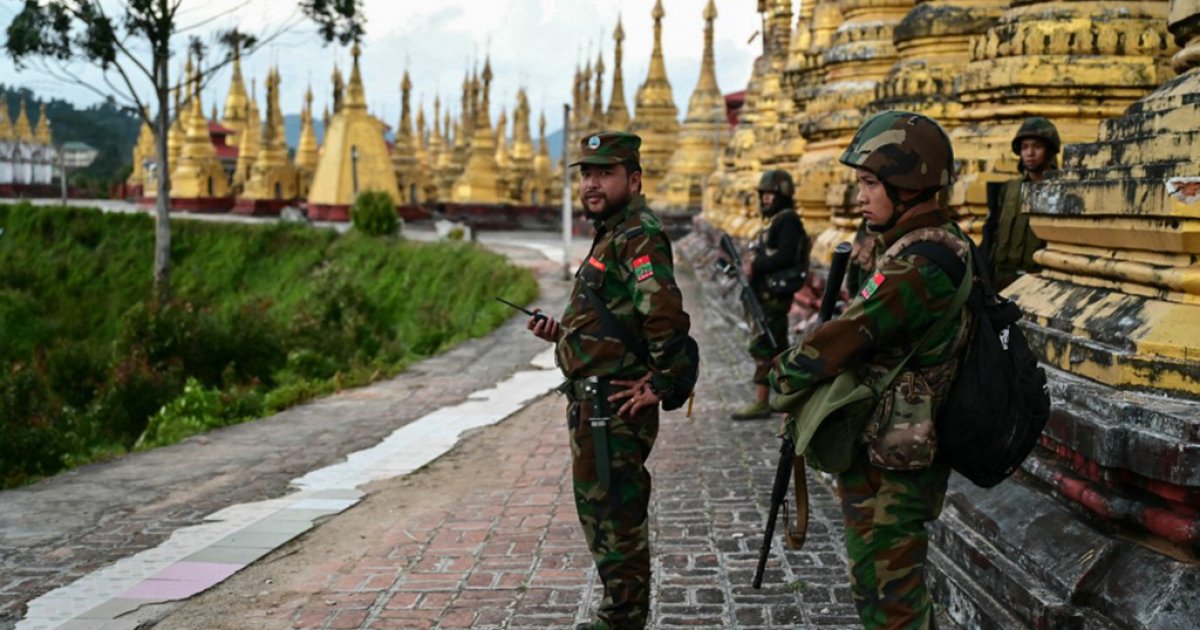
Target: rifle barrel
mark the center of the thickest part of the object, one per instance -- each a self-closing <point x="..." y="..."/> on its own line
<point x="837" y="276"/>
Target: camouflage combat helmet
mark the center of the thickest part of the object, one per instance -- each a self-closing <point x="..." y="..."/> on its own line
<point x="778" y="182"/>
<point x="904" y="150"/>
<point x="1037" y="128"/>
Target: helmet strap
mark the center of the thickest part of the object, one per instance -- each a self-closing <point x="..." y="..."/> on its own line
<point x="900" y="206"/>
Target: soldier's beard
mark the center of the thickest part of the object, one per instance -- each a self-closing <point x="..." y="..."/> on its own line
<point x="611" y="207"/>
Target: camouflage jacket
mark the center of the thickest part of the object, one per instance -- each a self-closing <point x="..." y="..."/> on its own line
<point x="899" y="301"/>
<point x="631" y="268"/>
<point x="1015" y="244"/>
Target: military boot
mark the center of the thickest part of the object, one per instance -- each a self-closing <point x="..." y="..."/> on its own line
<point x="758" y="410"/>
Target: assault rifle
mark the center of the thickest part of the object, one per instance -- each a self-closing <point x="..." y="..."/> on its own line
<point x="787" y="448"/>
<point x="732" y="267"/>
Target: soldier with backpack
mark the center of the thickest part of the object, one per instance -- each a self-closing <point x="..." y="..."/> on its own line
<point x="776" y="270"/>
<point x="903" y="334"/>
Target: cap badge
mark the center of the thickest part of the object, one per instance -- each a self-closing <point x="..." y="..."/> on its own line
<point x="594" y="143"/>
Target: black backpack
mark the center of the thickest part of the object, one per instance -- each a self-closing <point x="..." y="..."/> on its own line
<point x="998" y="404"/>
<point x="685" y="383"/>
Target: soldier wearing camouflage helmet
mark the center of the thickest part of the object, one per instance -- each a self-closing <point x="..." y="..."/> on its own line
<point x="776" y="269"/>
<point x="908" y="313"/>
<point x="630" y="271"/>
<point x="1010" y="242"/>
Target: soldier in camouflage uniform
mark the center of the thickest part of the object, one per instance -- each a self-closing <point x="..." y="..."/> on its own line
<point x="630" y="268"/>
<point x="780" y="252"/>
<point x="1010" y="254"/>
<point x="893" y="485"/>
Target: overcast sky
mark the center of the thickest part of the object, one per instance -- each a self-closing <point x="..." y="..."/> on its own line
<point x="533" y="43"/>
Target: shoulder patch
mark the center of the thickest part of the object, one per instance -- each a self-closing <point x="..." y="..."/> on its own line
<point x="642" y="268"/>
<point x="872" y="285"/>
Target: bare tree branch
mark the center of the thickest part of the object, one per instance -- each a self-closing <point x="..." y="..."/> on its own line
<point x="216" y="17"/>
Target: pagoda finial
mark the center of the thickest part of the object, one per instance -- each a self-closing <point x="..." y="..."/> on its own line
<point x="618" y="113"/>
<point x="355" y="94"/>
<point x="42" y="135"/>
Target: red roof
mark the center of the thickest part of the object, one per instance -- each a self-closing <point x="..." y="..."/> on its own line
<point x="217" y="129"/>
<point x="733" y="106"/>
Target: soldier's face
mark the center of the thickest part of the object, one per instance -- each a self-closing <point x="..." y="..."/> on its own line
<point x="873" y="200"/>
<point x="765" y="199"/>
<point x="603" y="188"/>
<point x="1033" y="155"/>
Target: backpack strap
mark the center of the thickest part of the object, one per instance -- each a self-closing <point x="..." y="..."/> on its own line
<point x="960" y="299"/>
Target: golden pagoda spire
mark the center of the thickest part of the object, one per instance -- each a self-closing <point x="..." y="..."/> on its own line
<point x="585" y="95"/>
<point x="502" y="160"/>
<point x="704" y="131"/>
<point x="598" y="100"/>
<point x="325" y="118"/>
<point x="404" y="150"/>
<point x="338" y="88"/>
<point x="250" y="138"/>
<point x="42" y="135"/>
<point x="6" y="128"/>
<point x="422" y="144"/>
<point x="655" y="115"/>
<point x="543" y="148"/>
<point x="306" y="150"/>
<point x="272" y="181"/>
<point x="542" y="170"/>
<point x="522" y="149"/>
<point x="355" y="155"/>
<point x="618" y="113"/>
<point x="355" y="94"/>
<point x="235" y="103"/>
<point x="480" y="181"/>
<point x="23" y="130"/>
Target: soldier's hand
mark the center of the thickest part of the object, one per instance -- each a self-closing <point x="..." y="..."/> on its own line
<point x="543" y="326"/>
<point x="637" y="395"/>
<point x="748" y="269"/>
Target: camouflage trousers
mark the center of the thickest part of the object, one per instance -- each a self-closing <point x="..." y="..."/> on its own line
<point x="776" y="308"/>
<point x="884" y="512"/>
<point x="616" y="522"/>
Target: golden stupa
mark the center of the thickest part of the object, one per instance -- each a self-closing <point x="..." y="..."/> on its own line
<point x="248" y="140"/>
<point x="655" y="117"/>
<point x="41" y="134"/>
<point x="272" y="182"/>
<point x="479" y="182"/>
<point x="404" y="150"/>
<point x="198" y="181"/>
<point x="22" y="129"/>
<point x="704" y="133"/>
<point x="307" y="152"/>
<point x="354" y="157"/>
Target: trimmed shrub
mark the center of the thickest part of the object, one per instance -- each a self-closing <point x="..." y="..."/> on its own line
<point x="374" y="213"/>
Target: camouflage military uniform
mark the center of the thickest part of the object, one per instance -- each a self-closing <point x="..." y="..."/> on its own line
<point x="781" y="247"/>
<point x="1012" y="253"/>
<point x="630" y="268"/>
<point x="884" y="510"/>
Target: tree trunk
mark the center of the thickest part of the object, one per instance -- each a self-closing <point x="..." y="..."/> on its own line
<point x="162" y="215"/>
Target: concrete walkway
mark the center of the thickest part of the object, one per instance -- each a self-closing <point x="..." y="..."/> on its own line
<point x="484" y="537"/>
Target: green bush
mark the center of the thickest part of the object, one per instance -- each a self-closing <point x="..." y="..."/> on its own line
<point x="264" y="317"/>
<point x="374" y="213"/>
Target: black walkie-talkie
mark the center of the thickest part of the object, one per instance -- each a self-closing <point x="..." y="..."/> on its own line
<point x="535" y="315"/>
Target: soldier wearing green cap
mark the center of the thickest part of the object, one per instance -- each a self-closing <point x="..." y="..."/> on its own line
<point x="776" y="269"/>
<point x="630" y="271"/>
<point x="1010" y="253"/>
<point x="908" y="314"/>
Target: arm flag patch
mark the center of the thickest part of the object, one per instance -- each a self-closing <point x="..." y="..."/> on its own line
<point x="872" y="285"/>
<point x="642" y="268"/>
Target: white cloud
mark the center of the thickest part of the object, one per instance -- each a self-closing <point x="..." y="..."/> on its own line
<point x="532" y="43"/>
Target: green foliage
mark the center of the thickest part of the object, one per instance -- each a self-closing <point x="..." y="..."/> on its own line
<point x="374" y="213"/>
<point x="264" y="317"/>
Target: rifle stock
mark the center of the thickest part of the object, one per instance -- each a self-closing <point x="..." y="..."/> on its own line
<point x="734" y="270"/>
<point x="787" y="447"/>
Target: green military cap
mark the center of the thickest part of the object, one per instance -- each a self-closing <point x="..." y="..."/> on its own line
<point x="609" y="148"/>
